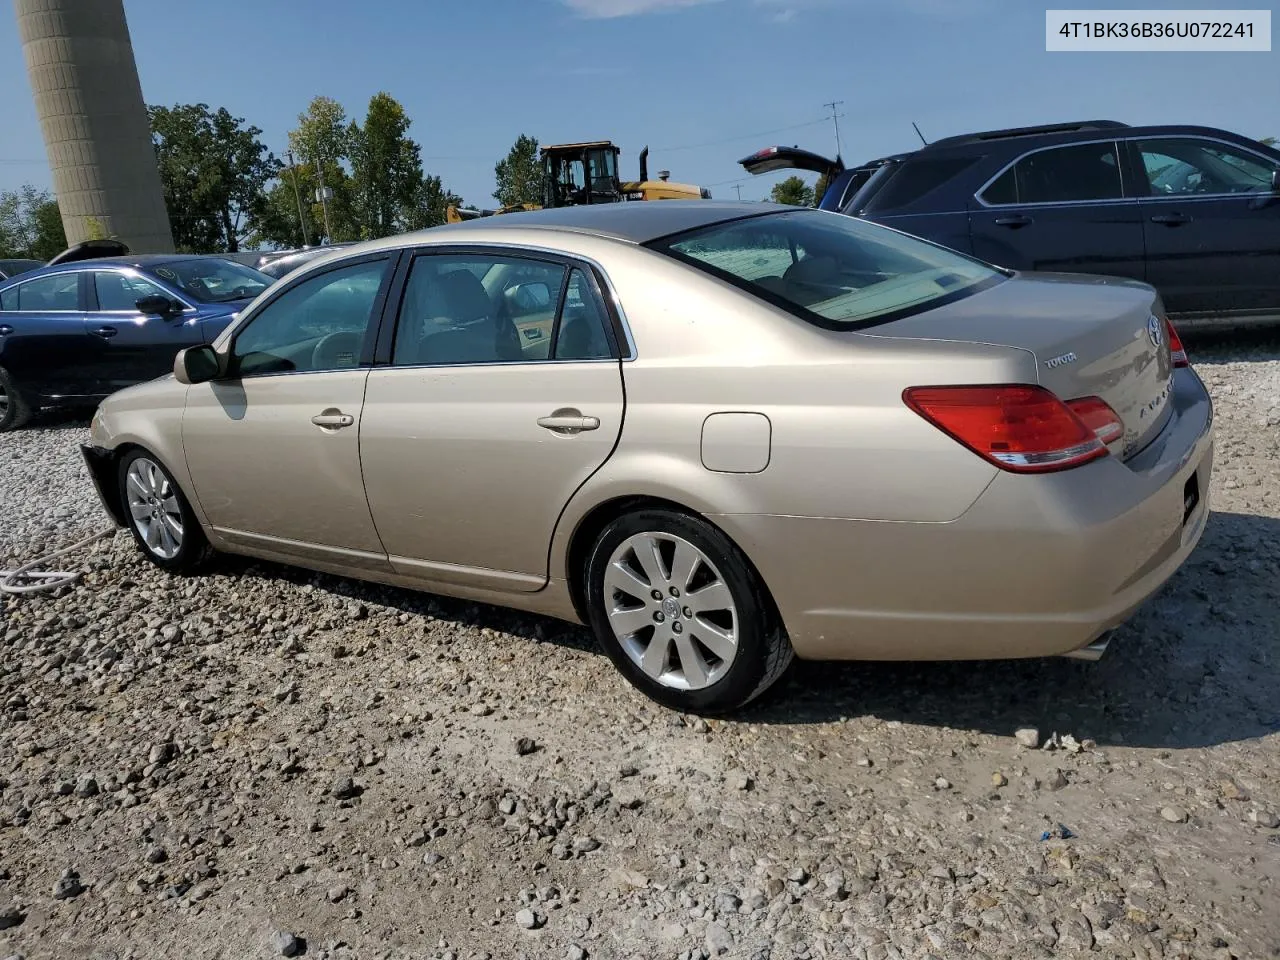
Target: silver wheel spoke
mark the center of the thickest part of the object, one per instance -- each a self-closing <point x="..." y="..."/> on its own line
<point x="723" y="645"/>
<point x="691" y="663"/>
<point x="620" y="578"/>
<point x="650" y="561"/>
<point x="710" y="599"/>
<point x="140" y="511"/>
<point x="154" y="508"/>
<point x="683" y="564"/>
<point x="654" y="661"/>
<point x="628" y="621"/>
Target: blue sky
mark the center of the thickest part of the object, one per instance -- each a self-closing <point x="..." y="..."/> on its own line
<point x="702" y="82"/>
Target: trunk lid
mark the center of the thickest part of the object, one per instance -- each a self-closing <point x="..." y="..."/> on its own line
<point x="1091" y="337"/>
<point x="772" y="159"/>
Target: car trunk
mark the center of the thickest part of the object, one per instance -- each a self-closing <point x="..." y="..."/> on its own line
<point x="1091" y="337"/>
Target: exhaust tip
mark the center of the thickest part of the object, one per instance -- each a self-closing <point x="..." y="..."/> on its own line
<point x="1093" y="652"/>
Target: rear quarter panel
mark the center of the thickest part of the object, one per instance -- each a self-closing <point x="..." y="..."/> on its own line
<point x="842" y="444"/>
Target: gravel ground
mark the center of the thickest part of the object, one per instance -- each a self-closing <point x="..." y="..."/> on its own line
<point x="262" y="762"/>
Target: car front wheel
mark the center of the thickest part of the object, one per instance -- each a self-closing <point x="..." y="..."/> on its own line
<point x="14" y="410"/>
<point x="682" y="614"/>
<point x="160" y="518"/>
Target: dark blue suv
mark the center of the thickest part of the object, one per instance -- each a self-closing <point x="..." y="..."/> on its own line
<point x="1194" y="211"/>
<point x="74" y="332"/>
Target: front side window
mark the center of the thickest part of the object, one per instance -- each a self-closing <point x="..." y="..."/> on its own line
<point x="213" y="280"/>
<point x="836" y="271"/>
<point x="1187" y="166"/>
<point x="1070" y="174"/>
<point x="9" y="299"/>
<point x="119" y="291"/>
<point x="318" y="325"/>
<point x="58" y="292"/>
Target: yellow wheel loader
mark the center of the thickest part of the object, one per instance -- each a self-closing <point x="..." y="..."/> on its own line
<point x="581" y="173"/>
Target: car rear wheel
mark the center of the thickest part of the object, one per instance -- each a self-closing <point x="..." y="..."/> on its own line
<point x="160" y="518"/>
<point x="682" y="614"/>
<point x="14" y="411"/>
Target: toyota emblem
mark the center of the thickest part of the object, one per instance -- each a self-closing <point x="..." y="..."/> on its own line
<point x="1155" y="330"/>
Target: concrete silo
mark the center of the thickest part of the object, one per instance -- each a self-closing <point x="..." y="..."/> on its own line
<point x="94" y="120"/>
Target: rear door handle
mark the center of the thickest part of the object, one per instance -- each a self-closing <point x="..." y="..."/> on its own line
<point x="1015" y="221"/>
<point x="5" y="329"/>
<point x="333" y="420"/>
<point x="106" y="333"/>
<point x="569" y="422"/>
<point x="1171" y="219"/>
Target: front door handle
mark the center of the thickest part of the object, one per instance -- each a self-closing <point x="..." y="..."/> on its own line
<point x="1014" y="222"/>
<point x="1171" y="219"/>
<point x="568" y="421"/>
<point x="333" y="419"/>
<point x="106" y="333"/>
<point x="5" y="329"/>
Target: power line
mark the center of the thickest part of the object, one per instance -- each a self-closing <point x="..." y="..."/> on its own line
<point x="745" y="136"/>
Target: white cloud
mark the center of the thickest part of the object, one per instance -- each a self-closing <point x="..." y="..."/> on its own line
<point x="604" y="9"/>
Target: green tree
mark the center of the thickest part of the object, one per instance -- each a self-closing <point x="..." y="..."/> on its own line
<point x="794" y="191"/>
<point x="30" y="224"/>
<point x="214" y="170"/>
<point x="431" y="205"/>
<point x="386" y="169"/>
<point x="519" y="174"/>
<point x="322" y="144"/>
<point x="820" y="188"/>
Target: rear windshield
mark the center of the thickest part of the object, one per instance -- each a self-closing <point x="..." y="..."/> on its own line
<point x="833" y="270"/>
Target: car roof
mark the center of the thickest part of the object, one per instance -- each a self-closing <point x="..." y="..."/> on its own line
<point x="631" y="221"/>
<point x="138" y="261"/>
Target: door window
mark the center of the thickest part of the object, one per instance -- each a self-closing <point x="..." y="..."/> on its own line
<point x="320" y="324"/>
<point x="58" y="292"/>
<point x="584" y="323"/>
<point x="469" y="308"/>
<point x="1187" y="167"/>
<point x="9" y="299"/>
<point x="1070" y="174"/>
<point x="120" y="292"/>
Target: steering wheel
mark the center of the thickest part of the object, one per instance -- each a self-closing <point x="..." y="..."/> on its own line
<point x="337" y="351"/>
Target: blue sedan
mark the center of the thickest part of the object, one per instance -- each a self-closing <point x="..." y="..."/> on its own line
<point x="74" y="333"/>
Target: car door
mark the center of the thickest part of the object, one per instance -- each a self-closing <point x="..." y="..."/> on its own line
<point x="273" y="445"/>
<point x="477" y="433"/>
<point x="1060" y="208"/>
<point x="42" y="340"/>
<point x="129" y="346"/>
<point x="1212" y="221"/>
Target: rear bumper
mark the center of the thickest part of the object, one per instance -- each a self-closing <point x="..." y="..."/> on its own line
<point x="102" y="471"/>
<point x="1038" y="566"/>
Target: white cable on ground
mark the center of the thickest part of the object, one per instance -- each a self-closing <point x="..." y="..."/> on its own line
<point x="28" y="579"/>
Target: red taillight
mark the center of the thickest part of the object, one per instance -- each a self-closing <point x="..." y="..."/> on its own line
<point x="1177" y="352"/>
<point x="1018" y="427"/>
<point x="1095" y="414"/>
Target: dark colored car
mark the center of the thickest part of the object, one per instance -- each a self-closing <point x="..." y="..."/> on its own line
<point x="1194" y="211"/>
<point x="73" y="333"/>
<point x="11" y="268"/>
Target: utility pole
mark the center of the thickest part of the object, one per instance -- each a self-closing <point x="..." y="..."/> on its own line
<point x="835" y="118"/>
<point x="738" y="187"/>
<point x="297" y="195"/>
<point x="324" y="194"/>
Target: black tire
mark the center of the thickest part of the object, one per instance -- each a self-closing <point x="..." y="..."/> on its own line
<point x="193" y="547"/>
<point x="14" y="409"/>
<point x="763" y="651"/>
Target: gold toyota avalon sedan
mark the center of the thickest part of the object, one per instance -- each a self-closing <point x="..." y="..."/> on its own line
<point x="720" y="434"/>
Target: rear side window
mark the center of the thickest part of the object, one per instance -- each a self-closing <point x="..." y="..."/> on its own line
<point x="1074" y="173"/>
<point x="58" y="292"/>
<point x="914" y="179"/>
<point x="838" y="272"/>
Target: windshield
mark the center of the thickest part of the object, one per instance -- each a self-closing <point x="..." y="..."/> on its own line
<point x="836" y="271"/>
<point x="213" y="279"/>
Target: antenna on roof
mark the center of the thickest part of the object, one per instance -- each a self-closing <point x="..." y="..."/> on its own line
<point x="919" y="134"/>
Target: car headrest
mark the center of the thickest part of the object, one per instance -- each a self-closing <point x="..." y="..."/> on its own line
<point x="465" y="296"/>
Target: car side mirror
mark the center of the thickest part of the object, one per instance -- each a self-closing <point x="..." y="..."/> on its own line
<point x="1275" y="180"/>
<point x="157" y="305"/>
<point x="197" y="365"/>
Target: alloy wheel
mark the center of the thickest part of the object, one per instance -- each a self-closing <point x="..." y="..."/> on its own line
<point x="671" y="610"/>
<point x="154" y="507"/>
